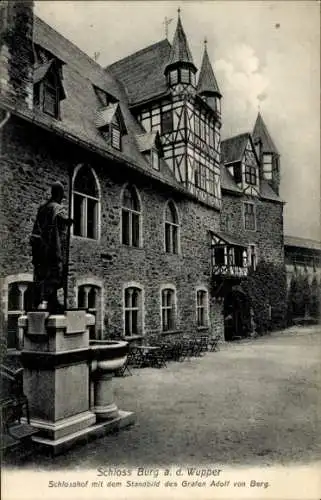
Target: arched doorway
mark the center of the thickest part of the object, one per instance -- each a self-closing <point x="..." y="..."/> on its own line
<point x="236" y="314"/>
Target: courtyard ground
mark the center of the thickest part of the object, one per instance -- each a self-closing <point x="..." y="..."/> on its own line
<point x="255" y="403"/>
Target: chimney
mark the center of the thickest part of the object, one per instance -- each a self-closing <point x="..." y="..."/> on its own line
<point x="16" y="52"/>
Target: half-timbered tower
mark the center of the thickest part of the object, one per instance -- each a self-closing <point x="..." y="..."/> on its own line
<point x="184" y="109"/>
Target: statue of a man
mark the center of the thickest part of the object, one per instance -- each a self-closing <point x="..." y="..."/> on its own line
<point x="48" y="243"/>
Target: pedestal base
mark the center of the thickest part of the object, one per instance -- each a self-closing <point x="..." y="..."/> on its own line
<point x="57" y="446"/>
<point x="106" y="412"/>
<point x="63" y="427"/>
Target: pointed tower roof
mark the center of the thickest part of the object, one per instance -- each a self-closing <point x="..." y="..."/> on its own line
<point x="206" y="81"/>
<point x="180" y="52"/>
<point x="260" y="131"/>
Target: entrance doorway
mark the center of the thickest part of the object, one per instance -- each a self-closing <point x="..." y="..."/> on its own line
<point x="236" y="314"/>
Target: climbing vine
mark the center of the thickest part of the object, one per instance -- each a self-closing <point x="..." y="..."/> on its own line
<point x="266" y="288"/>
<point x="17" y="26"/>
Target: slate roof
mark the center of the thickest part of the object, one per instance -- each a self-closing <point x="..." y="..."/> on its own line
<point x="180" y="52"/>
<point x="260" y="131"/>
<point x="231" y="239"/>
<point x="232" y="149"/>
<point x="227" y="181"/>
<point x="206" y="80"/>
<point x="79" y="109"/>
<point x="296" y="241"/>
<point x="268" y="193"/>
<point x="142" y="73"/>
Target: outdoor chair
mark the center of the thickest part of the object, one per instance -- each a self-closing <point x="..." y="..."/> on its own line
<point x="187" y="346"/>
<point x="204" y="340"/>
<point x="196" y="347"/>
<point x="136" y="357"/>
<point x="14" y="404"/>
<point x="156" y="358"/>
<point x="213" y="344"/>
<point x="176" y="350"/>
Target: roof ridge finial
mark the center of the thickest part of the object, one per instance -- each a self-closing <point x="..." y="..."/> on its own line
<point x="205" y="44"/>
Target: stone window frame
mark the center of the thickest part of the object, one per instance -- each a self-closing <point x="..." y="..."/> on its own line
<point x="172" y="227"/>
<point x="141" y="309"/>
<point x="98" y="200"/>
<point x="131" y="187"/>
<point x="244" y="216"/>
<point x="172" y="288"/>
<point x="9" y="280"/>
<point x="205" y="306"/>
<point x="92" y="282"/>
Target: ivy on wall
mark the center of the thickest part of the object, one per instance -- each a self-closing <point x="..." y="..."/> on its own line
<point x="266" y="288"/>
<point x="17" y="30"/>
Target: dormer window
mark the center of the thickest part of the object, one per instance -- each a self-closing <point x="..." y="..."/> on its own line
<point x="103" y="97"/>
<point x="51" y="97"/>
<point x="150" y="146"/>
<point x="48" y="88"/>
<point x="111" y="125"/>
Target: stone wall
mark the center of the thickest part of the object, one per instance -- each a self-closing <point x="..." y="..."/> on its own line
<point x="32" y="159"/>
<point x="268" y="236"/>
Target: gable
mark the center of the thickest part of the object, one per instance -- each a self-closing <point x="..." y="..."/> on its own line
<point x="249" y="154"/>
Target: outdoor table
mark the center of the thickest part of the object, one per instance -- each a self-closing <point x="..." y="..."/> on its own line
<point x="147" y="354"/>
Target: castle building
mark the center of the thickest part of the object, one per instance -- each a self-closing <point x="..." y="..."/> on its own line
<point x="168" y="217"/>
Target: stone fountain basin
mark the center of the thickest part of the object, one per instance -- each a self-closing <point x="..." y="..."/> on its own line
<point x="108" y="355"/>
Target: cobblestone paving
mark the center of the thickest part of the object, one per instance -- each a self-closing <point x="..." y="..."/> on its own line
<point x="254" y="402"/>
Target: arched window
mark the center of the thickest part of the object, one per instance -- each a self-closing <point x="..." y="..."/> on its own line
<point x="133" y="315"/>
<point x="86" y="204"/>
<point x="19" y="301"/>
<point x="168" y="309"/>
<point x="201" y="308"/>
<point x="171" y="229"/>
<point x="131" y="218"/>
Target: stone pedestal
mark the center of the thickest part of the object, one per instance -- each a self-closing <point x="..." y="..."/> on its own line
<point x="57" y="361"/>
<point x="56" y="372"/>
<point x="103" y="396"/>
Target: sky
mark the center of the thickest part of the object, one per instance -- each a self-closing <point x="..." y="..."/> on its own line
<point x="265" y="54"/>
